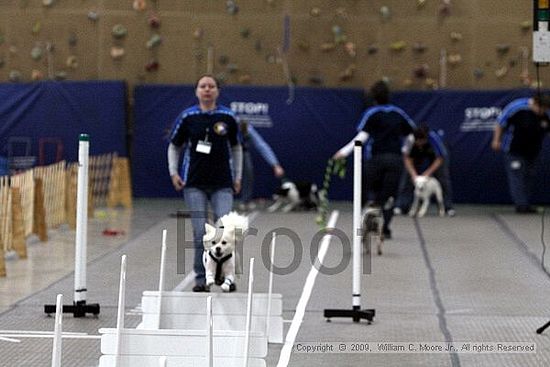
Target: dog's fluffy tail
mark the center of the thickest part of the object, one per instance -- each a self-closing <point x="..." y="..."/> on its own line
<point x="234" y="220"/>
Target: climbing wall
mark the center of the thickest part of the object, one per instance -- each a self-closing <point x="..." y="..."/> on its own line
<point x="416" y="44"/>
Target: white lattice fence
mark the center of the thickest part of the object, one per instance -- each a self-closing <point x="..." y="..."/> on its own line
<point x="5" y="214"/>
<point x="25" y="182"/>
<point x="100" y="175"/>
<point x="53" y="178"/>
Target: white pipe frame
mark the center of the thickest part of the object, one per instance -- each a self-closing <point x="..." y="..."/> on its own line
<point x="161" y="276"/>
<point x="357" y="258"/>
<point x="209" y="332"/>
<point x="81" y="220"/>
<point x="270" y="285"/>
<point x="121" y="307"/>
<point x="57" y="333"/>
<point x="248" y="313"/>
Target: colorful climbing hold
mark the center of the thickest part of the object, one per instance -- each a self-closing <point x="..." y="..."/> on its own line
<point x="119" y="31"/>
<point x="117" y="52"/>
<point x="154" y="41"/>
<point x="36" y="53"/>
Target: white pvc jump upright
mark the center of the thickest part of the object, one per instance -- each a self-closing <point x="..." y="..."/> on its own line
<point x="248" y="312"/>
<point x="80" y="259"/>
<point x="357" y="248"/>
<point x="121" y="308"/>
<point x="209" y="332"/>
<point x="122" y="347"/>
<point x="185" y="310"/>
<point x="355" y="313"/>
<point x="161" y="276"/>
<point x="57" y="333"/>
<point x="79" y="308"/>
<point x="270" y="285"/>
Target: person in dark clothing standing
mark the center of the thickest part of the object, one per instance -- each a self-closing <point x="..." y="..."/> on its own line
<point x="212" y="163"/>
<point x="383" y="128"/>
<point x="251" y="138"/>
<point x="519" y="133"/>
<point x="424" y="154"/>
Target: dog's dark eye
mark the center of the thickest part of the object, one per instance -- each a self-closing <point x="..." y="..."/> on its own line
<point x="224" y="242"/>
<point x="213" y="242"/>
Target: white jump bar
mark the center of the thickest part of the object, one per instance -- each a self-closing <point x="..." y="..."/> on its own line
<point x="223" y="303"/>
<point x="188" y="343"/>
<point x="153" y="361"/>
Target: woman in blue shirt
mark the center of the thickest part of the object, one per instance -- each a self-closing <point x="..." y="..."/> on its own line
<point x="212" y="164"/>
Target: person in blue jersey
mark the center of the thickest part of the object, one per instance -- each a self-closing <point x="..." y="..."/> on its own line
<point x="424" y="154"/>
<point x="383" y="128"/>
<point x="519" y="133"/>
<point x="251" y="137"/>
<point x="212" y="164"/>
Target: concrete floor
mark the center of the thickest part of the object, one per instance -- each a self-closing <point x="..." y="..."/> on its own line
<point x="474" y="278"/>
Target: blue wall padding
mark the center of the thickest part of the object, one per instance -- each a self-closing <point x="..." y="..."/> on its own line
<point x="306" y="132"/>
<point x="65" y="110"/>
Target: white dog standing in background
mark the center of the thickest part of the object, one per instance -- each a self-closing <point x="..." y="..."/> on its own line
<point x="424" y="188"/>
<point x="219" y="250"/>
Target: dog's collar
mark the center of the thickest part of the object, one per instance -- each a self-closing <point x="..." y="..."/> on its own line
<point x="220" y="260"/>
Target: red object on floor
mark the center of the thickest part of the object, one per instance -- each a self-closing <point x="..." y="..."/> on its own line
<point x="113" y="232"/>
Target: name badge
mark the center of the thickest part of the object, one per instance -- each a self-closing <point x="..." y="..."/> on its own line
<point x="204" y="147"/>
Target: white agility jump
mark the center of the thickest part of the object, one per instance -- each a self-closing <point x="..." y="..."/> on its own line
<point x="185" y="310"/>
<point x="204" y="346"/>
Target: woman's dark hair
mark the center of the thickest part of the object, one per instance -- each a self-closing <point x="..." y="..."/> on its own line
<point x="421" y="132"/>
<point x="380" y="92"/>
<point x="207" y="76"/>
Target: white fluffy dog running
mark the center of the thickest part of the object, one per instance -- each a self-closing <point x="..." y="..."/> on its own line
<point x="424" y="188"/>
<point x="219" y="250"/>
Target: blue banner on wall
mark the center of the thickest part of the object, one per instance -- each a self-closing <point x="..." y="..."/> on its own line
<point x="305" y="134"/>
<point x="64" y="110"/>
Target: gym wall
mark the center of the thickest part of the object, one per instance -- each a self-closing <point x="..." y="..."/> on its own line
<point x="488" y="43"/>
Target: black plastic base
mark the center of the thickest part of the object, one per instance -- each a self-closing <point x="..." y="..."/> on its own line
<point x="78" y="309"/>
<point x="355" y="314"/>
<point x="541" y="329"/>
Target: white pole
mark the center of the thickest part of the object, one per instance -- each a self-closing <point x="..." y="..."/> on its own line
<point x="121" y="307"/>
<point x="357" y="260"/>
<point x="81" y="220"/>
<point x="47" y="336"/>
<point x="161" y="276"/>
<point x="209" y="332"/>
<point x="270" y="286"/>
<point x="248" y="313"/>
<point x="9" y="340"/>
<point x="37" y="332"/>
<point x="58" y="329"/>
<point x="162" y="361"/>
